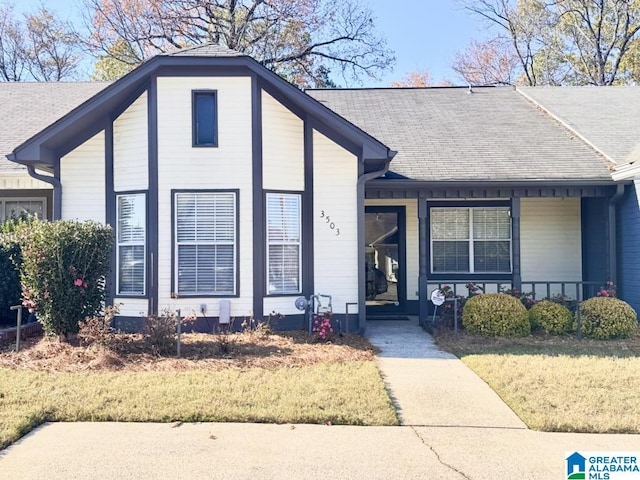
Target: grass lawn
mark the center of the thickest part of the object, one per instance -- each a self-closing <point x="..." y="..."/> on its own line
<point x="559" y="384"/>
<point x="277" y="379"/>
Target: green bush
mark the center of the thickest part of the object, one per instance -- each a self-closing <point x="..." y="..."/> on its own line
<point x="9" y="277"/>
<point x="64" y="265"/>
<point x="496" y="315"/>
<point x="607" y="317"/>
<point x="553" y="318"/>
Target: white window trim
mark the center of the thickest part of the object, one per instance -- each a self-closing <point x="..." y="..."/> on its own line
<point x="298" y="243"/>
<point x="142" y="243"/>
<point x="3" y="201"/>
<point x="177" y="243"/>
<point x="470" y="241"/>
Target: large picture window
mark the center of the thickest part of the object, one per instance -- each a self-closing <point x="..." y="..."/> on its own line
<point x="283" y="243"/>
<point x="205" y="243"/>
<point x="470" y="240"/>
<point x="205" y="118"/>
<point x="131" y="243"/>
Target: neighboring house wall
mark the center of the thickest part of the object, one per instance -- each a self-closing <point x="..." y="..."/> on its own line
<point x="629" y="246"/>
<point x="335" y="177"/>
<point x="551" y="240"/>
<point x="130" y="148"/>
<point x="82" y="174"/>
<point x="227" y="166"/>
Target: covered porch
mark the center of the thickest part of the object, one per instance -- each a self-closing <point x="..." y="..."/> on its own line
<point x="545" y="240"/>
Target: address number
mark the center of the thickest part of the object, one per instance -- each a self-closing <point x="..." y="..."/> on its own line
<point x="328" y="221"/>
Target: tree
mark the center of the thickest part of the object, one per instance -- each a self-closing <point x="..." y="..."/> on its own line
<point x="302" y="40"/>
<point x="37" y="46"/>
<point x="559" y="42"/>
<point x="418" y="78"/>
<point x="493" y="62"/>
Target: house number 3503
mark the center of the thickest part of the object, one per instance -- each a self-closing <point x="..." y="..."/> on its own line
<point x="328" y="221"/>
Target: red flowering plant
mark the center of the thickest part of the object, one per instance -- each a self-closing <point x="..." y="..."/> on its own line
<point x="608" y="290"/>
<point x="323" y="326"/>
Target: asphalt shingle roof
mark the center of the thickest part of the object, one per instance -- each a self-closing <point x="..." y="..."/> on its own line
<point x="29" y="107"/>
<point x="448" y="134"/>
<point x="206" y="50"/>
<point x="607" y="117"/>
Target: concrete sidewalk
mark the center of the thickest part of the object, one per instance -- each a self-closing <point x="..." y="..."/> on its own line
<point x="431" y="387"/>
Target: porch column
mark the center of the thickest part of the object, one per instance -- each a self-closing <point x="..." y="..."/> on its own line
<point x="516" y="278"/>
<point x="423" y="251"/>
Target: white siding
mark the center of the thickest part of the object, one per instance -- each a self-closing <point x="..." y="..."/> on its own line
<point x="284" y="305"/>
<point x="83" y="184"/>
<point x="412" y="253"/>
<point x="132" y="307"/>
<point x="19" y="181"/>
<point x="228" y="166"/>
<point x="335" y="193"/>
<point x="130" y="148"/>
<point x="551" y="240"/>
<point x="282" y="147"/>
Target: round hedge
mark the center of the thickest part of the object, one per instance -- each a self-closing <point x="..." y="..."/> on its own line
<point x="553" y="318"/>
<point x="607" y="317"/>
<point x="496" y="315"/>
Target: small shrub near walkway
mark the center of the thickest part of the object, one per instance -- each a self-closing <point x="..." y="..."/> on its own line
<point x="559" y="384"/>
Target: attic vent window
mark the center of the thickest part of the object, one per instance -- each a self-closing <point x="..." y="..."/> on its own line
<point x="205" y="118"/>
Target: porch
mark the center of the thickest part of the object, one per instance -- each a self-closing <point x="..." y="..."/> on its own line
<point x="545" y="241"/>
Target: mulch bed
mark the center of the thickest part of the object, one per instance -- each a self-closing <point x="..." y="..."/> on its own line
<point x="130" y="352"/>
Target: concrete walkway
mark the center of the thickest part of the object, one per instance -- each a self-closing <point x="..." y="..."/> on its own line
<point x="431" y="387"/>
<point x="455" y="428"/>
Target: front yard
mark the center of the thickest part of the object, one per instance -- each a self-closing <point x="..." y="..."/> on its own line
<point x="240" y="378"/>
<point x="559" y="384"/>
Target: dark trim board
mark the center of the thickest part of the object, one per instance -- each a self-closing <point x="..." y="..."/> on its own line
<point x="110" y="209"/>
<point x="308" y="217"/>
<point x="258" y="237"/>
<point x="152" y="198"/>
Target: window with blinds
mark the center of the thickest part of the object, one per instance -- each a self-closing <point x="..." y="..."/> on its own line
<point x="470" y="240"/>
<point x="205" y="243"/>
<point x="284" y="243"/>
<point x="131" y="244"/>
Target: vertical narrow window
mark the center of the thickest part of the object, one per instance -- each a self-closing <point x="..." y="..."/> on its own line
<point x="283" y="243"/>
<point x="205" y="118"/>
<point x="205" y="243"/>
<point x="131" y="243"/>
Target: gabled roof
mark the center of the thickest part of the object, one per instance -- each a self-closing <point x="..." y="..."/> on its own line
<point x="44" y="147"/>
<point x="450" y="135"/>
<point x="28" y="107"/>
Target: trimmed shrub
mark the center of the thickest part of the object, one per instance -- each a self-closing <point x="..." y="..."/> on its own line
<point x="64" y="265"/>
<point x="9" y="278"/>
<point x="607" y="317"/>
<point x="553" y="318"/>
<point x="496" y="315"/>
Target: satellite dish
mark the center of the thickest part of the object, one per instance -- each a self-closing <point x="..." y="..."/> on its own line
<point x="437" y="297"/>
<point x="301" y="303"/>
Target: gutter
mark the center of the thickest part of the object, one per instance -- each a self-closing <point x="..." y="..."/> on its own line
<point x="613" y="254"/>
<point x="362" y="179"/>
<point x="57" y="189"/>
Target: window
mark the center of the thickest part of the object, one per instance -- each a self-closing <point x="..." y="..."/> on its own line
<point x="470" y="240"/>
<point x="283" y="243"/>
<point x="205" y="243"/>
<point x="22" y="207"/>
<point x="131" y="241"/>
<point x="205" y="121"/>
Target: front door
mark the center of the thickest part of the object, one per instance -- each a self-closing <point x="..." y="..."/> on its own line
<point x="385" y="260"/>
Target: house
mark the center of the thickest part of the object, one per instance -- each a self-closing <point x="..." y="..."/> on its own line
<point x="223" y="182"/>
<point x="606" y="119"/>
<point x="27" y="109"/>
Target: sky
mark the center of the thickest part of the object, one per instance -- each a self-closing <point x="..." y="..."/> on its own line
<point x="424" y="34"/>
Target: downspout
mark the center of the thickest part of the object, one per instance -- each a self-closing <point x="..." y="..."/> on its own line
<point x="57" y="189"/>
<point x="364" y="178"/>
<point x="613" y="253"/>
